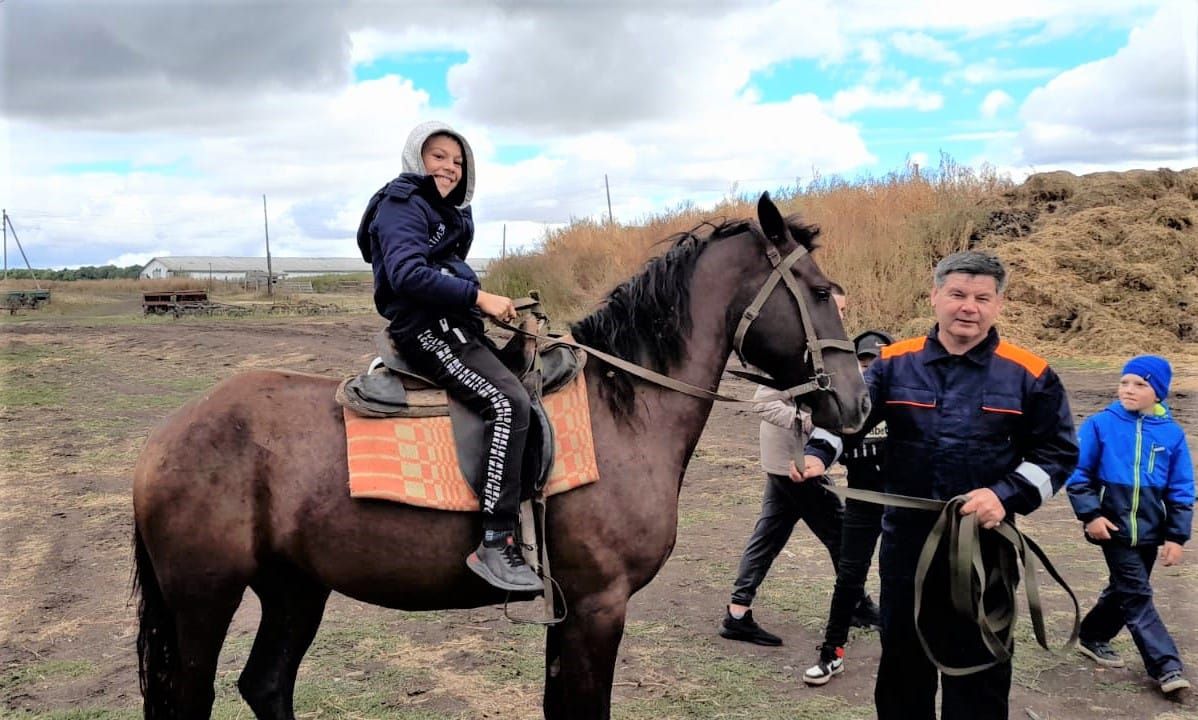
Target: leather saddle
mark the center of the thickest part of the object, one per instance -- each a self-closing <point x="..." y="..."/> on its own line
<point x="391" y="388"/>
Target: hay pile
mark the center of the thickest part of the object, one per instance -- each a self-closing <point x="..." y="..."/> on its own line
<point x="1103" y="264"/>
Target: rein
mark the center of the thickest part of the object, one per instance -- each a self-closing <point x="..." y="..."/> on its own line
<point x="969" y="578"/>
<point x="820" y="382"/>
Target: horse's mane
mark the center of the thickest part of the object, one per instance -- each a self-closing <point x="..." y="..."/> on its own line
<point x="646" y="319"/>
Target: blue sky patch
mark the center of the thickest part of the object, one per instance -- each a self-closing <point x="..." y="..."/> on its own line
<point x="428" y="71"/>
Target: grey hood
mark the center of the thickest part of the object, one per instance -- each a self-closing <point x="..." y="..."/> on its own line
<point x="413" y="163"/>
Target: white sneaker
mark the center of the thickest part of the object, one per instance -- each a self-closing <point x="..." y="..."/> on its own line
<point x="822" y="671"/>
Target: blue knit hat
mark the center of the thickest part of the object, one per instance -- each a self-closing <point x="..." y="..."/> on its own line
<point x="1154" y="369"/>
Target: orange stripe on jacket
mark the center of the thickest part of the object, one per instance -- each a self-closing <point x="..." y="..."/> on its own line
<point x="903" y="347"/>
<point x="1029" y="361"/>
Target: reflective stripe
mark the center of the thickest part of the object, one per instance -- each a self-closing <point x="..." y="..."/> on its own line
<point x="1035" y="476"/>
<point x="833" y="440"/>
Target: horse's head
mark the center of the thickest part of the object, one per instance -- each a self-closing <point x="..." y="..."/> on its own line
<point x="791" y="327"/>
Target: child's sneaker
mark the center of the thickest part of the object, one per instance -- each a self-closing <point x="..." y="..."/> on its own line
<point x="1100" y="652"/>
<point x="1172" y="681"/>
<point x="831" y="662"/>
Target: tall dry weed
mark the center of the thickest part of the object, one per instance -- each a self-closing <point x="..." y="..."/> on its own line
<point x="880" y="239"/>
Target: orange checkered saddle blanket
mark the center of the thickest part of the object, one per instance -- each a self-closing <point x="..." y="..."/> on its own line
<point x="431" y="459"/>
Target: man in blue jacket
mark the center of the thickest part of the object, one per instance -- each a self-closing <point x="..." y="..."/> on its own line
<point x="966" y="414"/>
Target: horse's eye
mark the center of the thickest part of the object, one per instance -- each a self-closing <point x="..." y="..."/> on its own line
<point x="823" y="294"/>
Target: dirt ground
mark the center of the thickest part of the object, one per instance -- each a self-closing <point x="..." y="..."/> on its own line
<point x="80" y="397"/>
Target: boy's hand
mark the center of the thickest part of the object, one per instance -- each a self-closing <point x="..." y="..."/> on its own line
<point x="1100" y="528"/>
<point x="1170" y="553"/>
<point x="496" y="306"/>
<point x="986" y="505"/>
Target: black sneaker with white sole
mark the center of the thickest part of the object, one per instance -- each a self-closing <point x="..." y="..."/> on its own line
<point x="1100" y="652"/>
<point x="1172" y="681"/>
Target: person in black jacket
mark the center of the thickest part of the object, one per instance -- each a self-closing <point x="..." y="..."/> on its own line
<point x="416" y="234"/>
<point x="966" y="414"/>
<point x="859" y="534"/>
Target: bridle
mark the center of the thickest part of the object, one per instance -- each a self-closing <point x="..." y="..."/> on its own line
<point x="821" y="380"/>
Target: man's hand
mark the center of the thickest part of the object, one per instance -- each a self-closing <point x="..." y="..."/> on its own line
<point x="986" y="505"/>
<point x="813" y="467"/>
<point x="1170" y="553"/>
<point x="1100" y="528"/>
<point x="795" y="475"/>
<point x="496" y="306"/>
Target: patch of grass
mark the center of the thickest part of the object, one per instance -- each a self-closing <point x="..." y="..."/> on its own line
<point x="14" y="678"/>
<point x="79" y="714"/>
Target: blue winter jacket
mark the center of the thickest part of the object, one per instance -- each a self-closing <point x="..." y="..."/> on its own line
<point x="418" y="247"/>
<point x="1135" y="470"/>
<point x="995" y="417"/>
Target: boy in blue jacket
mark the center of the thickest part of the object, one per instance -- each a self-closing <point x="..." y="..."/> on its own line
<point x="1134" y="490"/>
<point x="416" y="233"/>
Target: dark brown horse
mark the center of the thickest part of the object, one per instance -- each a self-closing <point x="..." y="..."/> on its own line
<point x="246" y="486"/>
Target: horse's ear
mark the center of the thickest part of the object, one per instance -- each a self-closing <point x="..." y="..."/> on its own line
<point x="771" y="220"/>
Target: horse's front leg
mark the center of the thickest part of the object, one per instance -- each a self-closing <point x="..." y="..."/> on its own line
<point x="580" y="658"/>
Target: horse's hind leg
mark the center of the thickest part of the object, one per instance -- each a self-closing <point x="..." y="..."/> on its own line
<point x="200" y="630"/>
<point x="292" y="606"/>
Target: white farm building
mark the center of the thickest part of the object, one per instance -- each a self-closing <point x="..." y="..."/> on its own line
<point x="237" y="269"/>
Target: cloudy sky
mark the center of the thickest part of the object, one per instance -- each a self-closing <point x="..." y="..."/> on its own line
<point x="154" y="127"/>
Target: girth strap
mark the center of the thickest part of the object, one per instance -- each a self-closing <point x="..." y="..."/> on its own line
<point x="966" y="567"/>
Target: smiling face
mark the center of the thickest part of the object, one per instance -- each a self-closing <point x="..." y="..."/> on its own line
<point x="966" y="307"/>
<point x="442" y="157"/>
<point x="1135" y="394"/>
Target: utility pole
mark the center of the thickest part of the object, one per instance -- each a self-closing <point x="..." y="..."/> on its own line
<point x="503" y="246"/>
<point x="4" y="224"/>
<point x="608" y="189"/>
<point x="270" y="278"/>
<point x="32" y="274"/>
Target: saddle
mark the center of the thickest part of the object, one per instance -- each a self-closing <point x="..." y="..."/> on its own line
<point x="391" y="388"/>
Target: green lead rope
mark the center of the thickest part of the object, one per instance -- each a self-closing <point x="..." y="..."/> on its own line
<point x="969" y="578"/>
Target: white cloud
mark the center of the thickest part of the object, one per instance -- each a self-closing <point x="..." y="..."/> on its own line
<point x="910" y="95"/>
<point x="994" y="102"/>
<point x="922" y="45"/>
<point x="1139" y="105"/>
<point x="211" y="110"/>
<point x="990" y="72"/>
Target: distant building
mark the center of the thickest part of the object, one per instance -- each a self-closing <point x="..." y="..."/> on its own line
<point x="238" y="268"/>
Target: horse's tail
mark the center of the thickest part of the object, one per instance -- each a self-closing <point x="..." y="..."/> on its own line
<point x="157" y="650"/>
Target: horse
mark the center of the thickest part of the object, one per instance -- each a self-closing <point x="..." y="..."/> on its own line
<point x="246" y="486"/>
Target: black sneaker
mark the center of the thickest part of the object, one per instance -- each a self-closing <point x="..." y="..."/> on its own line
<point x="1100" y="652"/>
<point x="503" y="566"/>
<point x="746" y="629"/>
<point x="1172" y="681"/>
<point x="831" y="662"/>
<point x="866" y="615"/>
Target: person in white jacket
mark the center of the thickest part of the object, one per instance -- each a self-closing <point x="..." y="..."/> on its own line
<point x="788" y="499"/>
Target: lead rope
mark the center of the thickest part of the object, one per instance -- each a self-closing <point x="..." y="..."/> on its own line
<point x="966" y="566"/>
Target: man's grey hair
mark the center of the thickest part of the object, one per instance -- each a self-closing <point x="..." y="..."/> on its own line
<point x="971" y="262"/>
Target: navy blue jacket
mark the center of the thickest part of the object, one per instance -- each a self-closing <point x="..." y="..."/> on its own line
<point x="1135" y="470"/>
<point x="418" y="247"/>
<point x="996" y="417"/>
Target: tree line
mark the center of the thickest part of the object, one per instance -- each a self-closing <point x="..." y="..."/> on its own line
<point x="87" y="272"/>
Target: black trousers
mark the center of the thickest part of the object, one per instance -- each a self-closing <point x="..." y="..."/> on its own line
<point x="465" y="362"/>
<point x="862" y="525"/>
<point x="906" y="684"/>
<point x="1127" y="601"/>
<point x="783" y="505"/>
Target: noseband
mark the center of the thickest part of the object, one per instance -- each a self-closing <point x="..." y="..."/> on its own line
<point x="821" y="380"/>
